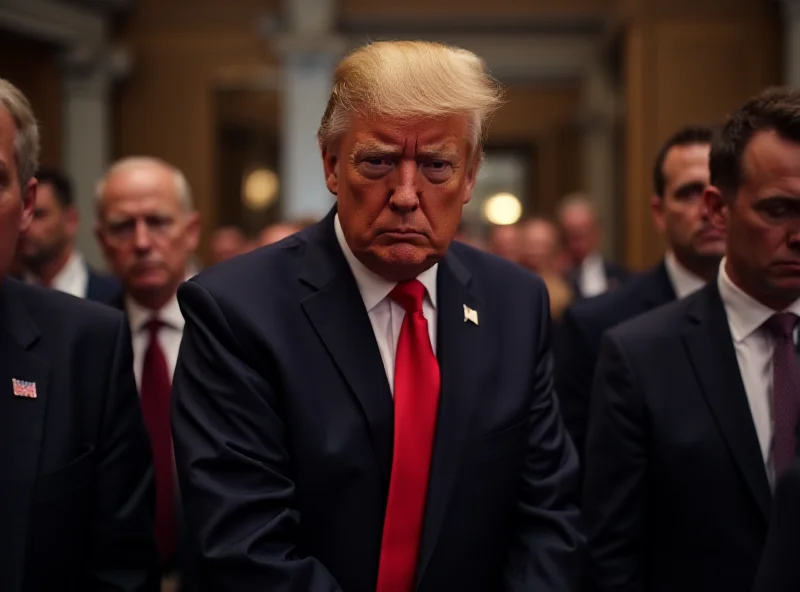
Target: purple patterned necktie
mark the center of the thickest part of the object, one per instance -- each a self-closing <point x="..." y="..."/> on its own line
<point x="785" y="387"/>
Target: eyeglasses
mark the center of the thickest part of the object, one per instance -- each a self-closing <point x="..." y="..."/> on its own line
<point x="124" y="230"/>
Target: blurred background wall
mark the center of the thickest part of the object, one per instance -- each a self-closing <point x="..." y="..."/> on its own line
<point x="232" y="91"/>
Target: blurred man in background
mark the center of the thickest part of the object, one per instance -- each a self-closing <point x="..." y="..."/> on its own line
<point x="149" y="230"/>
<point x="694" y="249"/>
<point x="539" y="251"/>
<point x="590" y="273"/>
<point x="504" y="242"/>
<point x="276" y="232"/>
<point x="225" y="243"/>
<point x="47" y="251"/>
<point x="76" y="501"/>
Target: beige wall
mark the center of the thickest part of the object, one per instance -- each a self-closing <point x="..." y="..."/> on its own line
<point x="166" y="107"/>
<point x="685" y="62"/>
<point x="33" y="68"/>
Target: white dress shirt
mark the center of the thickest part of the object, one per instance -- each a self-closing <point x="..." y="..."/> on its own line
<point x="384" y="313"/>
<point x="592" y="278"/>
<point x="754" y="346"/>
<point x="169" y="337"/>
<point x="72" y="279"/>
<point x="683" y="281"/>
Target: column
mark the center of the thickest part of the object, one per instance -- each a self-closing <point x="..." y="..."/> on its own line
<point x="791" y="43"/>
<point x="310" y="52"/>
<point x="599" y="154"/>
<point x="89" y="72"/>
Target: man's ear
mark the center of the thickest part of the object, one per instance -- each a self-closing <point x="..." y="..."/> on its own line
<point x="657" y="209"/>
<point x="28" y="205"/>
<point x="717" y="208"/>
<point x="330" y="162"/>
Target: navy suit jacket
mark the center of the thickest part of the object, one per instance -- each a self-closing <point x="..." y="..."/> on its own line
<point x="580" y="334"/>
<point x="676" y="495"/>
<point x="102" y="288"/>
<point x="779" y="570"/>
<point x="283" y="428"/>
<point x="77" y="496"/>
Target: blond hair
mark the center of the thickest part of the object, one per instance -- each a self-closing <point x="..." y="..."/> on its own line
<point x="26" y="140"/>
<point x="413" y="80"/>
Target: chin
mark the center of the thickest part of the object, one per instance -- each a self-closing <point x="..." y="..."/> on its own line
<point x="400" y="262"/>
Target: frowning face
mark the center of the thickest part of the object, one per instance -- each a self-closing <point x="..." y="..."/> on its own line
<point x="400" y="189"/>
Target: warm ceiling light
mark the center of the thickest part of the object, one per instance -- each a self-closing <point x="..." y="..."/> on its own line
<point x="502" y="209"/>
<point x="260" y="188"/>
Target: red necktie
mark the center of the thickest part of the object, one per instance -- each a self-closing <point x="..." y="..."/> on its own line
<point x="416" y="398"/>
<point x="155" y="400"/>
<point x="785" y="385"/>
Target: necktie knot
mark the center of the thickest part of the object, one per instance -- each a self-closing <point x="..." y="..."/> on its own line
<point x="409" y="295"/>
<point x="153" y="326"/>
<point x="782" y="325"/>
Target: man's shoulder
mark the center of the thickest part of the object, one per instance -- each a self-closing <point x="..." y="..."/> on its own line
<point x="271" y="266"/>
<point x="488" y="267"/>
<point x="611" y="308"/>
<point x="662" y="323"/>
<point x="57" y="312"/>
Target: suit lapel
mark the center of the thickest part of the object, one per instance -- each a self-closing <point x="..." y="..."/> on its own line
<point x="460" y="355"/>
<point x="21" y="427"/>
<point x="336" y="311"/>
<point x="711" y="351"/>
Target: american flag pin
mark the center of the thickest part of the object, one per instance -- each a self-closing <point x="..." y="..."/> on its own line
<point x="470" y="315"/>
<point x="24" y="388"/>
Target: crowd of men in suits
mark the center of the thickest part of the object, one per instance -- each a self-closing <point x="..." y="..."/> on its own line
<point x="368" y="404"/>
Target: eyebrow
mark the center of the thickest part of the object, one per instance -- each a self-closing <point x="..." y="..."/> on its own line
<point x="432" y="151"/>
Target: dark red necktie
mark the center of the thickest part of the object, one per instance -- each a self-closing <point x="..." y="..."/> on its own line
<point x="785" y="389"/>
<point x="416" y="399"/>
<point x="155" y="400"/>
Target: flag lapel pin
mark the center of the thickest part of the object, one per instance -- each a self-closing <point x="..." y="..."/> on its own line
<point x="470" y="315"/>
<point x="24" y="388"/>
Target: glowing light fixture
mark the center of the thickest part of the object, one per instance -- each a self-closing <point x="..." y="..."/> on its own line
<point x="260" y="188"/>
<point x="502" y="209"/>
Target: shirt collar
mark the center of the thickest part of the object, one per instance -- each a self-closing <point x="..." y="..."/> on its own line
<point x="373" y="287"/>
<point x="66" y="276"/>
<point x="745" y="313"/>
<point x="683" y="281"/>
<point x="138" y="315"/>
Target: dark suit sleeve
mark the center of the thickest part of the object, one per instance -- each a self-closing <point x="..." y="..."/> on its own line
<point x="779" y="571"/>
<point x="123" y="552"/>
<point x="614" y="494"/>
<point x="574" y="368"/>
<point x="233" y="462"/>
<point x="547" y="546"/>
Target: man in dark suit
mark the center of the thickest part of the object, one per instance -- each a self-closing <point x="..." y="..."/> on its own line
<point x="365" y="406"/>
<point x="680" y="174"/>
<point x="695" y="405"/>
<point x="47" y="250"/>
<point x="778" y="571"/>
<point x="590" y="273"/>
<point x="76" y="504"/>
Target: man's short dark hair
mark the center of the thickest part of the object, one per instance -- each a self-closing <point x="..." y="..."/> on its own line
<point x="59" y="181"/>
<point x="774" y="109"/>
<point x="693" y="134"/>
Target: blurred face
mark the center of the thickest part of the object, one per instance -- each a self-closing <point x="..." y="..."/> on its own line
<point x="52" y="230"/>
<point x="147" y="235"/>
<point x="762" y="221"/>
<point x="226" y="243"/>
<point x="16" y="203"/>
<point x="581" y="235"/>
<point x="275" y="232"/>
<point x="539" y="246"/>
<point x="504" y="242"/>
<point x="400" y="190"/>
<point x="681" y="213"/>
